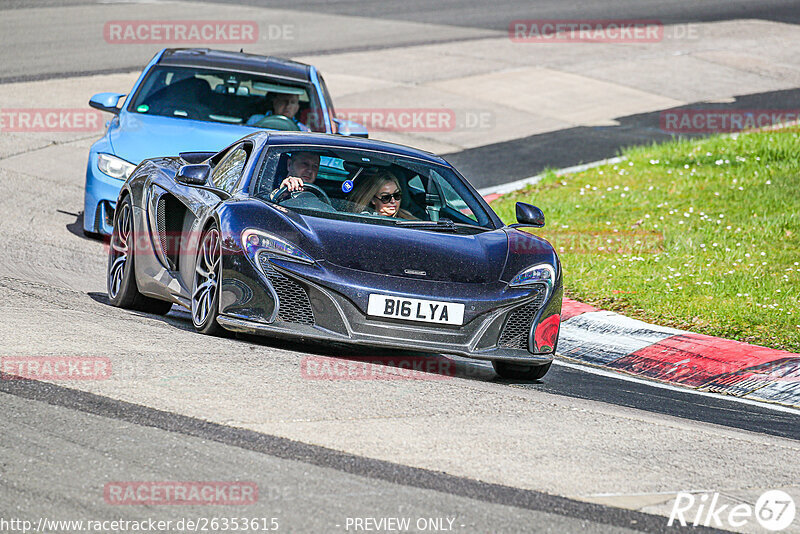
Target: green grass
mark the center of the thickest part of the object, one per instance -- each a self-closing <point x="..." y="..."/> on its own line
<point x="702" y="235"/>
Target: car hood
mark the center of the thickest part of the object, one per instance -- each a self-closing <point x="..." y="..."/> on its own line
<point x="138" y="136"/>
<point x="406" y="252"/>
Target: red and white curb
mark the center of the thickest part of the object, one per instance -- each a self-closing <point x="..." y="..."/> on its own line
<point x="617" y="343"/>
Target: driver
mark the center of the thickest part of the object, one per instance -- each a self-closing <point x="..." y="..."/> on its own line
<point x="303" y="168"/>
<point x="282" y="104"/>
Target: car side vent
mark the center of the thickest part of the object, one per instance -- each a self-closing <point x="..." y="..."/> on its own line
<point x="295" y="306"/>
<point x="518" y="324"/>
<point x="161" y="223"/>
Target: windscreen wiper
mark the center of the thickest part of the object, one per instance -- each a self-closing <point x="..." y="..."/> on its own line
<point x="441" y="224"/>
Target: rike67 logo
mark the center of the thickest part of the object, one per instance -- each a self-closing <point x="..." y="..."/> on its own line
<point x="774" y="511"/>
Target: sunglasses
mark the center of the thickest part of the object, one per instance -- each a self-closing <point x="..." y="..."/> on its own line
<point x="386" y="197"/>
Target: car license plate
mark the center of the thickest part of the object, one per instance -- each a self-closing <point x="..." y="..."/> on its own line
<point x="428" y="311"/>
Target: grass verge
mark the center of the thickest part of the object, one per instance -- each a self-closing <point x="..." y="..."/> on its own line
<point x="702" y="235"/>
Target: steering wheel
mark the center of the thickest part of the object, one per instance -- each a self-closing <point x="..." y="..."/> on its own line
<point x="277" y="195"/>
<point x="278" y="122"/>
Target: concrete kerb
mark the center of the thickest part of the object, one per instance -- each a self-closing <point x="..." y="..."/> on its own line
<point x="611" y="341"/>
<point x="496" y="191"/>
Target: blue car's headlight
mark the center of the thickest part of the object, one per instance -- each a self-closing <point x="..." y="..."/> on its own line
<point x="535" y="275"/>
<point x="114" y="166"/>
<point x="255" y="241"/>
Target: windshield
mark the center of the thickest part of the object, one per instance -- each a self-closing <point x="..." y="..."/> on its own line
<point x="228" y="97"/>
<point x="371" y="188"/>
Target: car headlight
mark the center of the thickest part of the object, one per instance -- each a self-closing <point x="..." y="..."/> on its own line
<point x="256" y="241"/>
<point x="114" y="166"/>
<point x="535" y="275"/>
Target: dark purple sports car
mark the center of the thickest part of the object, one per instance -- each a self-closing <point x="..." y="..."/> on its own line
<point x="383" y="245"/>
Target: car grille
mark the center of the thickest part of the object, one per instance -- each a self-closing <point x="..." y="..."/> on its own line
<point x="518" y="325"/>
<point x="294" y="307"/>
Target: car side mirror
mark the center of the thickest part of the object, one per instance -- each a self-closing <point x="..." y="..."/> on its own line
<point x="196" y="174"/>
<point x="529" y="215"/>
<point x="350" y="128"/>
<point x="106" y="102"/>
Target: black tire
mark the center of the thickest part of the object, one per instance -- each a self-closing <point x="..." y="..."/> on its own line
<point x="516" y="371"/>
<point x="205" y="288"/>
<point x="120" y="278"/>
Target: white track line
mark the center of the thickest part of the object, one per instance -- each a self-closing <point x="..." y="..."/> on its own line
<point x="683" y="389"/>
<point x="502" y="189"/>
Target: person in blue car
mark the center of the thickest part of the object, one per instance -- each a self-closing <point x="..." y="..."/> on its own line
<point x="282" y="104"/>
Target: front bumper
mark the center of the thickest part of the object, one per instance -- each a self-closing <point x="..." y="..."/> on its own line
<point x="100" y="199"/>
<point x="267" y="301"/>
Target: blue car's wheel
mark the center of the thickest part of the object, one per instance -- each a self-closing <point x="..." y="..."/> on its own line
<point x="121" y="280"/>
<point x="205" y="289"/>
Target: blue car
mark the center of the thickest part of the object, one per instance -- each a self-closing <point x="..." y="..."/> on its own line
<point x="378" y="245"/>
<point x="187" y="99"/>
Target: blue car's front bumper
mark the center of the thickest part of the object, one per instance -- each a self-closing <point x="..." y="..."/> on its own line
<point x="100" y="198"/>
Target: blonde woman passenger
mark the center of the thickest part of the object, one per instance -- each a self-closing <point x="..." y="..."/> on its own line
<point x="378" y="194"/>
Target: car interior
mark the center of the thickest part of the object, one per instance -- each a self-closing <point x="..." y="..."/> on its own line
<point x="220" y="97"/>
<point x="424" y="197"/>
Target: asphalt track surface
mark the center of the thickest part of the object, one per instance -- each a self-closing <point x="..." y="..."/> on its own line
<point x="60" y="443"/>
<point x="494" y="163"/>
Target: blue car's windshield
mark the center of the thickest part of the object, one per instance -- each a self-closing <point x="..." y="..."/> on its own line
<point x="229" y="97"/>
<point x="371" y="187"/>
